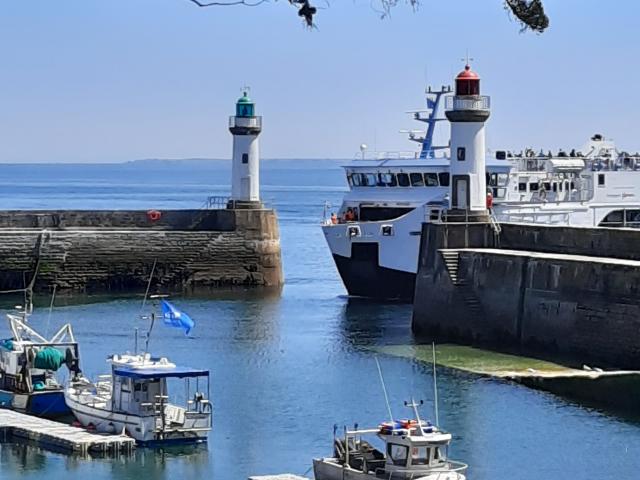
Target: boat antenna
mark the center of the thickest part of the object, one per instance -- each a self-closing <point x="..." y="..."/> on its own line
<point x="144" y="303"/>
<point x="435" y="384"/>
<point x="384" y="390"/>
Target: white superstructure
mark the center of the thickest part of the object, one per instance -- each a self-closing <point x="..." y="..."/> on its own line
<point x="375" y="234"/>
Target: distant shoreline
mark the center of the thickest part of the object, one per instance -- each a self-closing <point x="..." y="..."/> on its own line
<point x="178" y="160"/>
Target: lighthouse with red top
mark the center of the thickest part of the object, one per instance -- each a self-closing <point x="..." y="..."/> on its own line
<point x="467" y="111"/>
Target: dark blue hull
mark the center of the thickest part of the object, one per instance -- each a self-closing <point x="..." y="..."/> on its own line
<point x="49" y="404"/>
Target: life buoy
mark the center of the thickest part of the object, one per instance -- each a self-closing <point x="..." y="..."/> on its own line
<point x="154" y="215"/>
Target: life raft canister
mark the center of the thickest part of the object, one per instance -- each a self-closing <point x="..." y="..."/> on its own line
<point x="154" y="215"/>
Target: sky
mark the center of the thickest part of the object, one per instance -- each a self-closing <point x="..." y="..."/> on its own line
<point x="118" y="80"/>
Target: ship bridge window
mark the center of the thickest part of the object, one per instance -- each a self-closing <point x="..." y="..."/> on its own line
<point x="431" y="179"/>
<point x="403" y="179"/>
<point x="354" y="179"/>
<point x="522" y="187"/>
<point x="534" y="187"/>
<point x="497" y="179"/>
<point x="444" y="179"/>
<point x="389" y="179"/>
<point x="371" y="180"/>
<point x="601" y="179"/>
<point x="398" y="454"/>
<point x="416" y="180"/>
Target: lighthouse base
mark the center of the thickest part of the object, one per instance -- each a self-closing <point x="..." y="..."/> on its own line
<point x="245" y="205"/>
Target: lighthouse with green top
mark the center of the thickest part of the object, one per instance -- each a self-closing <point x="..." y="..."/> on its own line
<point x="245" y="127"/>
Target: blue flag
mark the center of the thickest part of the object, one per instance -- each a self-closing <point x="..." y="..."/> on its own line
<point x="175" y="318"/>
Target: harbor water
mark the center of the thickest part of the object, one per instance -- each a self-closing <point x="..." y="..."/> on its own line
<point x="289" y="365"/>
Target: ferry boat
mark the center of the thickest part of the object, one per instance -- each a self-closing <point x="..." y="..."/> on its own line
<point x="28" y="366"/>
<point x="413" y="450"/>
<point x="374" y="236"/>
<point x="135" y="399"/>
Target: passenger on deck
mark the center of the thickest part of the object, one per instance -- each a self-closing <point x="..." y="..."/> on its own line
<point x="355" y="213"/>
<point x="348" y="216"/>
<point x="334" y="219"/>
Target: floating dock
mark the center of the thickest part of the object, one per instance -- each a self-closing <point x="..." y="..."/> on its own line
<point x="60" y="437"/>
<point x="284" y="476"/>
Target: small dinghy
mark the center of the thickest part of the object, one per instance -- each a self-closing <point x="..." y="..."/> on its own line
<point x="135" y="398"/>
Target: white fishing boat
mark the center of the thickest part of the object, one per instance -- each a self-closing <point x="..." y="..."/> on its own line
<point x="29" y="366"/>
<point x="135" y="399"/>
<point x="139" y="396"/>
<point x="412" y="449"/>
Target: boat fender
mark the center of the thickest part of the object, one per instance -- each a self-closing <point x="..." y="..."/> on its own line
<point x="154" y="215"/>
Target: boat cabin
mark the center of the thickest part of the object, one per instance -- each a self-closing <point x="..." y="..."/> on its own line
<point x="142" y="388"/>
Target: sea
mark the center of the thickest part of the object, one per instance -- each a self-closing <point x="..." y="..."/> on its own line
<point x="286" y="367"/>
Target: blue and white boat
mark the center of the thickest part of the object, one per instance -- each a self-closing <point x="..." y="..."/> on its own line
<point x="29" y="365"/>
<point x="139" y="397"/>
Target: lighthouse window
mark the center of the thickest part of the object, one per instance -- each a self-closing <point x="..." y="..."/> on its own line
<point x="444" y="179"/>
<point x="245" y="158"/>
<point x="403" y="180"/>
<point x="417" y="180"/>
<point x="462" y="153"/>
<point x="431" y="179"/>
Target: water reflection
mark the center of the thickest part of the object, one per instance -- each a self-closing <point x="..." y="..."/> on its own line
<point x="367" y="323"/>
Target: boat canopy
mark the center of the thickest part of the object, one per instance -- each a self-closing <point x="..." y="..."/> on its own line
<point x="148" y="373"/>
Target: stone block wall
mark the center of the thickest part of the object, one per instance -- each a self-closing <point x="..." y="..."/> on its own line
<point x="575" y="308"/>
<point x="91" y="252"/>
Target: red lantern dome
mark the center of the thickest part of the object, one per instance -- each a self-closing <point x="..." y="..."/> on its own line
<point x="467" y="82"/>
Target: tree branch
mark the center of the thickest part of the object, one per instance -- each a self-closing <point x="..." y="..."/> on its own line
<point x="228" y="4"/>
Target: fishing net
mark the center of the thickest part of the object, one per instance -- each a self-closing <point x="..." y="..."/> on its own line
<point x="48" y="359"/>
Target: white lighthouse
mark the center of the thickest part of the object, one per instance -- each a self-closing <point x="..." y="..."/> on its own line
<point x="468" y="111"/>
<point x="245" y="127"/>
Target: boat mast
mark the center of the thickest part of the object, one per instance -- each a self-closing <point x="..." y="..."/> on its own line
<point x="435" y="385"/>
<point x="384" y="390"/>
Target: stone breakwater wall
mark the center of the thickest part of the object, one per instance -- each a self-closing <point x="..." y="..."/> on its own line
<point x="583" y="309"/>
<point x="114" y="251"/>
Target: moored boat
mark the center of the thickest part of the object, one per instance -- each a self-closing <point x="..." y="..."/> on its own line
<point x="29" y="363"/>
<point x="135" y="399"/>
<point x="412" y="449"/>
<point x="138" y="397"/>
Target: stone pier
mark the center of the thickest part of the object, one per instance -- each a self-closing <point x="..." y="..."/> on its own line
<point x="521" y="291"/>
<point x="114" y="251"/>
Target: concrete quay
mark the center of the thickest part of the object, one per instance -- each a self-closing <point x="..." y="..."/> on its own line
<point x="60" y="437"/>
<point x="577" y="308"/>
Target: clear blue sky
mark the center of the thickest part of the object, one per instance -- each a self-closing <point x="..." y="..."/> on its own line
<point x="115" y="80"/>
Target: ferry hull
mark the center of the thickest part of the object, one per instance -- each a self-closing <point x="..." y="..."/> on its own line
<point x="363" y="277"/>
